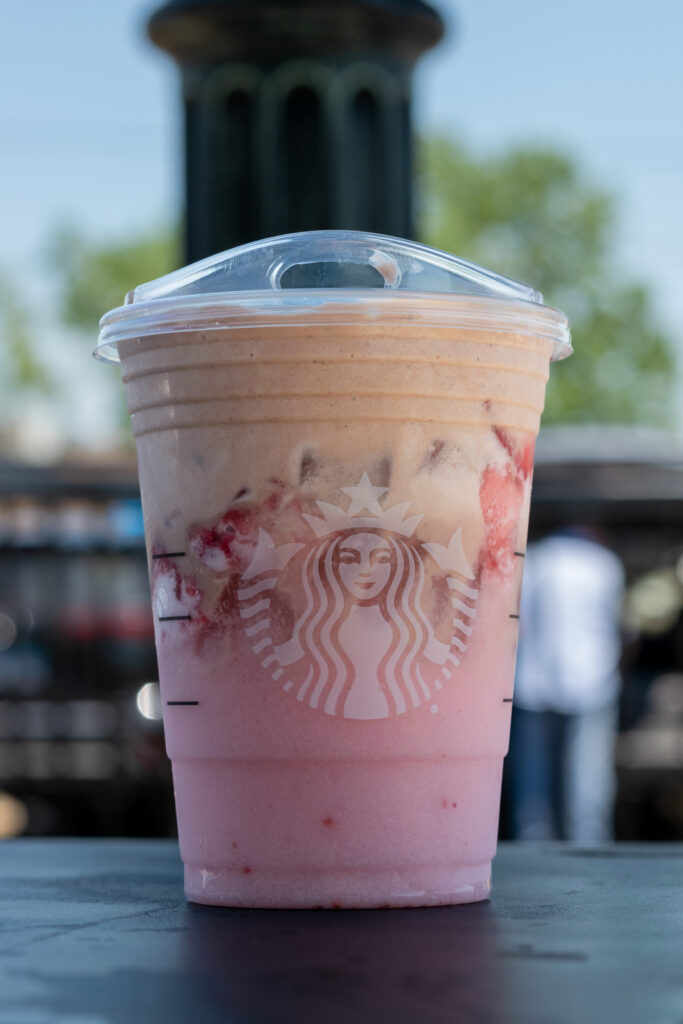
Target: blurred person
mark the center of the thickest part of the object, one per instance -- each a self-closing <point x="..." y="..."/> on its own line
<point x="565" y="712"/>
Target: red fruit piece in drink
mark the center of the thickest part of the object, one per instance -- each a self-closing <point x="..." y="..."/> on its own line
<point x="500" y="495"/>
<point x="224" y="545"/>
<point x="522" y="457"/>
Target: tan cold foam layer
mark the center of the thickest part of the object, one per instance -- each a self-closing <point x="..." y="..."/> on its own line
<point x="337" y="373"/>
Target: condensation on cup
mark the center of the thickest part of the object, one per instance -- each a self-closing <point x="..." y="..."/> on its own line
<point x="335" y="436"/>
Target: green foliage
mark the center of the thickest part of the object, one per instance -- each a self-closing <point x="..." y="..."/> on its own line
<point x="20" y="367"/>
<point x="530" y="215"/>
<point x="622" y="370"/>
<point x="96" y="277"/>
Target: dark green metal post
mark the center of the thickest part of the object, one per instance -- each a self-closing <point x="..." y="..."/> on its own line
<point x="297" y="114"/>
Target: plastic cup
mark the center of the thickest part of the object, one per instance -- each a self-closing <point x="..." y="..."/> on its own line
<point x="335" y="439"/>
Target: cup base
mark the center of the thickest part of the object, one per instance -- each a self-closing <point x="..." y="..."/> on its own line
<point x="339" y="890"/>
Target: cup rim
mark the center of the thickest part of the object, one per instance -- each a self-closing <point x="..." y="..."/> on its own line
<point x="329" y="307"/>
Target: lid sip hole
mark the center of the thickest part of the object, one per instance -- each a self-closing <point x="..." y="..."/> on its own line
<point x="331" y="274"/>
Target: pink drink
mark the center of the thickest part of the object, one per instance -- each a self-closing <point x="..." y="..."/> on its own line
<point x="336" y="505"/>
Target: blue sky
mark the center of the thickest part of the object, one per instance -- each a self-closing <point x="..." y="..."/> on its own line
<point x="89" y="115"/>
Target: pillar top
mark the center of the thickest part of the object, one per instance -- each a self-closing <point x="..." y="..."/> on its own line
<point x="208" y="31"/>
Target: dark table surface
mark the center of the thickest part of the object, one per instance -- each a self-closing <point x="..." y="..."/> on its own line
<point x="98" y="931"/>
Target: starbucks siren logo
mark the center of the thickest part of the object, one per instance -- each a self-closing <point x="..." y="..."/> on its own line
<point x="363" y="646"/>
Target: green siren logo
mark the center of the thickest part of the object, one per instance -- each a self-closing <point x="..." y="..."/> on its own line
<point x="364" y="644"/>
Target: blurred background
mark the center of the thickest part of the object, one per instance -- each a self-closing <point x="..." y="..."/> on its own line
<point x="542" y="141"/>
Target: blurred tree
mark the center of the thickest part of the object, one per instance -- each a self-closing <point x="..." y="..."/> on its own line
<point x="529" y="214"/>
<point x="21" y="370"/>
<point x="96" y="277"/>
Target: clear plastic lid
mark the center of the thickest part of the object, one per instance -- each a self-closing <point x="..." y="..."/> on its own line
<point x="350" y="274"/>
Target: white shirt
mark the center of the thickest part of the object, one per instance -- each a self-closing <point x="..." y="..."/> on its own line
<point x="569" y="641"/>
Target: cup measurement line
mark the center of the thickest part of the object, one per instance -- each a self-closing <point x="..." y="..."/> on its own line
<point x="174" y="618"/>
<point x="514" y="616"/>
<point x="520" y="554"/>
<point x="169" y="554"/>
<point x="507" y="700"/>
<point x="182" y="703"/>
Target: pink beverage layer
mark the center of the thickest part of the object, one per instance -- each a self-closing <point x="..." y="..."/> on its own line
<point x="336" y="612"/>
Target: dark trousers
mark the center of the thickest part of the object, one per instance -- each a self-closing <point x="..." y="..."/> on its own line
<point x="560" y="775"/>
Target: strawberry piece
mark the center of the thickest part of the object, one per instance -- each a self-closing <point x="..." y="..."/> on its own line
<point x="500" y="495"/>
<point x="523" y="458"/>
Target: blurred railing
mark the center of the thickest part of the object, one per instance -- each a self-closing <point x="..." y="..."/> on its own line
<point x="81" y="748"/>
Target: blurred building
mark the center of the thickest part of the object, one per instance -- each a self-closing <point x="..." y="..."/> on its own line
<point x="81" y="748"/>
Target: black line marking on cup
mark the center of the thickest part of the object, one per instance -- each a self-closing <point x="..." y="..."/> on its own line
<point x="169" y="554"/>
<point x="519" y="554"/>
<point x="182" y="703"/>
<point x="507" y="700"/>
<point x="174" y="618"/>
<point x="514" y="616"/>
